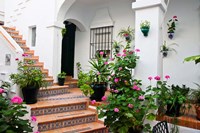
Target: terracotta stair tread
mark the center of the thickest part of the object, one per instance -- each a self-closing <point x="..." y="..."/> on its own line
<point x="54" y="87"/>
<point x="64" y="116"/>
<point x="29" y="52"/>
<point x="16" y="36"/>
<point x="13" y="32"/>
<point x="45" y="104"/>
<point x="83" y="128"/>
<point x="11" y="28"/>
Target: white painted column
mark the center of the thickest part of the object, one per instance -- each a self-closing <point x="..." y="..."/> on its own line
<point x="57" y="47"/>
<point x="150" y="62"/>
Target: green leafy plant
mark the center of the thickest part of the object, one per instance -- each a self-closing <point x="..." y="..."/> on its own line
<point x="128" y="34"/>
<point x="62" y="75"/>
<point x="99" y="68"/>
<point x="195" y="95"/>
<point x="11" y="113"/>
<point x="145" y="24"/>
<point x="172" y="26"/>
<point x="128" y="105"/>
<point x="195" y="58"/>
<point x="28" y="75"/>
<point x="63" y="31"/>
<point x="167" y="48"/>
<point x="86" y="89"/>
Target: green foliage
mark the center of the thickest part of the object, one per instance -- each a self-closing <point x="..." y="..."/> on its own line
<point x="63" y="31"/>
<point x="86" y="89"/>
<point x="145" y="24"/>
<point x="11" y="117"/>
<point x="172" y="24"/>
<point x="28" y="75"/>
<point x="167" y="48"/>
<point x="99" y="68"/>
<point x="128" y="105"/>
<point x="127" y="33"/>
<point x="195" y="58"/>
<point x="195" y="95"/>
<point x="62" y="75"/>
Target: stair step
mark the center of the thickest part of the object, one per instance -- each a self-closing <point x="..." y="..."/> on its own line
<point x="61" y="120"/>
<point x="17" y="36"/>
<point x="93" y="127"/>
<point x="52" y="91"/>
<point x="25" y="48"/>
<point x="9" y="28"/>
<point x="72" y="83"/>
<point x="13" y="32"/>
<point x="42" y="108"/>
<point x="21" y="41"/>
<point x="33" y="58"/>
<point x="30" y="53"/>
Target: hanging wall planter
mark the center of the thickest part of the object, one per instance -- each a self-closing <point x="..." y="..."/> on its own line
<point x="145" y="26"/>
<point x="172" y="27"/>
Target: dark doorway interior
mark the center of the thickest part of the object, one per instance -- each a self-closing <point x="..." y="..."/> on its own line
<point x="68" y="45"/>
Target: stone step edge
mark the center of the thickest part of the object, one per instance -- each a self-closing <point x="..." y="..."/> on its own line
<point x="66" y="118"/>
<point x="74" y="128"/>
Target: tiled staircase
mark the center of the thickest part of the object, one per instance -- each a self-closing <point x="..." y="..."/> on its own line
<point x="60" y="109"/>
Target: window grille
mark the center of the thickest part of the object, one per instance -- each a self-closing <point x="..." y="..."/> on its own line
<point x="33" y="36"/>
<point x="101" y="39"/>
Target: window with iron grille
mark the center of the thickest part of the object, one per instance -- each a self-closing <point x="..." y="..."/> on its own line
<point x="101" y="39"/>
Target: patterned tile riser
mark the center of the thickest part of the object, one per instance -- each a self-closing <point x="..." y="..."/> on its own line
<point x="99" y="131"/>
<point x="13" y="34"/>
<point x="66" y="123"/>
<point x="34" y="61"/>
<point x="60" y="109"/>
<point x="46" y="93"/>
<point x="17" y="39"/>
<point x="20" y="44"/>
<point x="7" y="29"/>
<point x="87" y="128"/>
<point x="73" y="85"/>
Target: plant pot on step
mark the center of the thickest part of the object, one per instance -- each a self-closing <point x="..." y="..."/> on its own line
<point x="173" y="110"/>
<point x="197" y="112"/>
<point x="99" y="91"/>
<point x="61" y="81"/>
<point x="30" y="94"/>
<point x="145" y="31"/>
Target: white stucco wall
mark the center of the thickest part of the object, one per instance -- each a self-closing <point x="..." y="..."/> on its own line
<point x="26" y="13"/>
<point x="121" y="14"/>
<point x="2" y="5"/>
<point x="187" y="36"/>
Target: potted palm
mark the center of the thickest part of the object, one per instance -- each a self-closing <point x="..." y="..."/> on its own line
<point x="61" y="78"/>
<point x="99" y="75"/>
<point x="29" y="79"/>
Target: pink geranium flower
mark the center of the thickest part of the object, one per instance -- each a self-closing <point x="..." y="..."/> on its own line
<point x="141" y="97"/>
<point x="137" y="50"/>
<point x="16" y="59"/>
<point x="116" y="110"/>
<point x="93" y="101"/>
<point x="130" y="105"/>
<point x="112" y="59"/>
<point x="116" y="80"/>
<point x="174" y="17"/>
<point x="33" y="118"/>
<point x="1" y="90"/>
<point x="120" y="68"/>
<point x="167" y="77"/>
<point x="98" y="73"/>
<point x="124" y="50"/>
<point x="124" y="55"/>
<point x="106" y="63"/>
<point x="118" y="54"/>
<point x="37" y="132"/>
<point x="17" y="100"/>
<point x="104" y="98"/>
<point x="150" y="78"/>
<point x="24" y="55"/>
<point x="101" y="53"/>
<point x="157" y="77"/>
<point x="116" y="91"/>
<point x="131" y="52"/>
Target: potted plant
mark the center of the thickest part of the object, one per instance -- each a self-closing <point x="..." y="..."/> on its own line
<point x="172" y="26"/>
<point x="84" y="83"/>
<point x="6" y="88"/>
<point x="117" y="46"/>
<point x="128" y="34"/>
<point x="99" y="74"/>
<point x="195" y="98"/>
<point x="145" y="26"/>
<point x="61" y="78"/>
<point x="29" y="79"/>
<point x="166" y="48"/>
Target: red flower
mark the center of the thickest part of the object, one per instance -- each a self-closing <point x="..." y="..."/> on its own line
<point x="175" y="17"/>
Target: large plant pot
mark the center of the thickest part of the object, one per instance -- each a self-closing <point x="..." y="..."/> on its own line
<point x="173" y="110"/>
<point x="99" y="91"/>
<point x="61" y="81"/>
<point x="30" y="94"/>
<point x="198" y="112"/>
<point x="138" y="130"/>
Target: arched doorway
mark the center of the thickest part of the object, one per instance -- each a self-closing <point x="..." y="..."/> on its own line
<point x="68" y="47"/>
